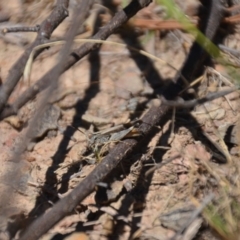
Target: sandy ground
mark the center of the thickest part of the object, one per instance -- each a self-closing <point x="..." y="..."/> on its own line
<point x="104" y="90"/>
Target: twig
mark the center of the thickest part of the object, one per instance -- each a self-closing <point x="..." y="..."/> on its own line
<point x="68" y="203"/>
<point x="21" y="29"/>
<point x="79" y="16"/>
<point x="157" y="166"/>
<point x="194" y="215"/>
<point x="46" y="28"/>
<point x="192" y="103"/>
<point x="120" y="18"/>
<point x="232" y="51"/>
<point x="154" y="24"/>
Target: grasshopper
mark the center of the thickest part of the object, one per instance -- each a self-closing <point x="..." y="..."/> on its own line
<point x="99" y="139"/>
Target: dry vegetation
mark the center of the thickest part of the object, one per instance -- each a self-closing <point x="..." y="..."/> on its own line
<point x="180" y="180"/>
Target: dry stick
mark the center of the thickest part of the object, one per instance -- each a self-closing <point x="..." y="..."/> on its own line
<point x="207" y="199"/>
<point x="66" y="205"/>
<point x="159" y="165"/>
<point x="21" y="29"/>
<point x="79" y="16"/>
<point x="232" y="51"/>
<point x="192" y="103"/>
<point x="120" y="18"/>
<point x="46" y="28"/>
<point x="28" y="67"/>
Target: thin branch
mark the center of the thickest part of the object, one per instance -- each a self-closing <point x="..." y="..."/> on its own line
<point x="192" y="103"/>
<point x="79" y="16"/>
<point x="120" y="18"/>
<point x="207" y="199"/>
<point x="232" y="51"/>
<point x="157" y="166"/>
<point x="59" y="13"/>
<point x="68" y="203"/>
<point x="21" y="29"/>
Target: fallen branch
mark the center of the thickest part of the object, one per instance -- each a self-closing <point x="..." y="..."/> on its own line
<point x="46" y="28"/>
<point x="120" y="18"/>
<point x="192" y="103"/>
<point x="79" y="16"/>
<point x="21" y="29"/>
<point x="68" y="203"/>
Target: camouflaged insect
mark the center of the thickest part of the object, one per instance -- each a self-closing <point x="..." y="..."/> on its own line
<point x="114" y="134"/>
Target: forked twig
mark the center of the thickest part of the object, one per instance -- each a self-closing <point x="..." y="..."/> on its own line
<point x="120" y="18"/>
<point x="46" y="28"/>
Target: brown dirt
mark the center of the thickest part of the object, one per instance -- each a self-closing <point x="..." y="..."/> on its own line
<point x="135" y="206"/>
